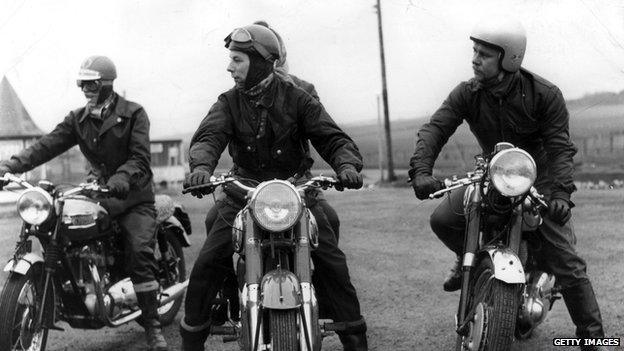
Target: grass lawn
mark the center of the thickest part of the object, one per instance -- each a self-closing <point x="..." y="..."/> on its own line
<point x="398" y="265"/>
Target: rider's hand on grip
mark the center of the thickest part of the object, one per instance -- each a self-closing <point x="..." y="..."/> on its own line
<point x="424" y="185"/>
<point x="560" y="210"/>
<point x="118" y="186"/>
<point x="195" y="178"/>
<point x="349" y="178"/>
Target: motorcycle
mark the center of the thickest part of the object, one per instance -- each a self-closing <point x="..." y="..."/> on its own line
<point x="80" y="278"/>
<point x="273" y="235"/>
<point x="502" y="291"/>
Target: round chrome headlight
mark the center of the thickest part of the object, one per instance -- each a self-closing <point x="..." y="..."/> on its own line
<point x="35" y="206"/>
<point x="513" y="172"/>
<point x="276" y="205"/>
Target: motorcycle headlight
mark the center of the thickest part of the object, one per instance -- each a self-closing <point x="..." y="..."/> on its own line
<point x="276" y="205"/>
<point x="35" y="206"/>
<point x="512" y="172"/>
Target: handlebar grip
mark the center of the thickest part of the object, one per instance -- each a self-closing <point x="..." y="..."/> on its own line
<point x="204" y="188"/>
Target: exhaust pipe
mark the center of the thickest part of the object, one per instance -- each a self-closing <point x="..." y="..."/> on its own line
<point x="173" y="292"/>
<point x="167" y="295"/>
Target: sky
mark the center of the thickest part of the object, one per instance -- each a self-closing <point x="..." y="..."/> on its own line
<point x="170" y="56"/>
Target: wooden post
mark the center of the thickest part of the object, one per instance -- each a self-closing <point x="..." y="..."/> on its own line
<point x="384" y="93"/>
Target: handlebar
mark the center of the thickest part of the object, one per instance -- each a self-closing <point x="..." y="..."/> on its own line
<point x="314" y="182"/>
<point x="8" y="177"/>
<point x="90" y="186"/>
<point x="471" y="178"/>
<point x="452" y="184"/>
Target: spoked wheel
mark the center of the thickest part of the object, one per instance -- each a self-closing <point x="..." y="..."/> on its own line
<point x="20" y="305"/>
<point x="172" y="269"/>
<point x="284" y="330"/>
<point x="494" y="306"/>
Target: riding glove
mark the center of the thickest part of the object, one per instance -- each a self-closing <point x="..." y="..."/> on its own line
<point x="559" y="210"/>
<point x="424" y="185"/>
<point x="349" y="177"/>
<point x="118" y="185"/>
<point x="197" y="177"/>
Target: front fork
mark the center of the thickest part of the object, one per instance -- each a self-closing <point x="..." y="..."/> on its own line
<point x="304" y="273"/>
<point x="472" y="248"/>
<point x="253" y="276"/>
<point x="471" y="243"/>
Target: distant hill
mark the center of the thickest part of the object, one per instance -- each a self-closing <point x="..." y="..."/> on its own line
<point x="603" y="98"/>
<point x="596" y="126"/>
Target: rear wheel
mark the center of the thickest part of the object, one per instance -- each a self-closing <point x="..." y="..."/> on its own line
<point x="20" y="305"/>
<point x="494" y="305"/>
<point x="171" y="270"/>
<point x="284" y="329"/>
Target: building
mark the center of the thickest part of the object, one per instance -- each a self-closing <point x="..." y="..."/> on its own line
<point x="18" y="130"/>
<point x="168" y="162"/>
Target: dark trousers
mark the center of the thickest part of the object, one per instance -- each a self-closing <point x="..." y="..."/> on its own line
<point x="138" y="225"/>
<point x="555" y="254"/>
<point x="214" y="262"/>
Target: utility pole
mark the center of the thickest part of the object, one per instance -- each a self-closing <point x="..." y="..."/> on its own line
<point x="384" y="94"/>
<point x="379" y="140"/>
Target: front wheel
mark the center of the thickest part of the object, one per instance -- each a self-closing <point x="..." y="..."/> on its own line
<point x="494" y="306"/>
<point x="283" y="324"/>
<point x="20" y="305"/>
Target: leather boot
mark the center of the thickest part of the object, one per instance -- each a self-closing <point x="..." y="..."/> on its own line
<point x="148" y="303"/>
<point x="354" y="342"/>
<point x="453" y="279"/>
<point x="583" y="308"/>
<point x="193" y="340"/>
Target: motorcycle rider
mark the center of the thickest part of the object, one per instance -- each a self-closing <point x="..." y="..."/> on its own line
<point x="265" y="120"/>
<point x="282" y="69"/>
<point x="505" y="102"/>
<point x="113" y="135"/>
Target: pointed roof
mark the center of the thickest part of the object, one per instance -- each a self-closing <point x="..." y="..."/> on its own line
<point x="15" y="122"/>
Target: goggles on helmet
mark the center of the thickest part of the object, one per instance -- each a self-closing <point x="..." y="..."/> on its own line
<point x="89" y="85"/>
<point x="242" y="39"/>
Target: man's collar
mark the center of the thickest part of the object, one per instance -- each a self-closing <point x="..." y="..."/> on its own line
<point x="260" y="93"/>
<point x="498" y="89"/>
<point x="119" y="104"/>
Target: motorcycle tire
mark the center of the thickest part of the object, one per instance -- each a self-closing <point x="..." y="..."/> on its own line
<point x="284" y="330"/>
<point x="176" y="268"/>
<point x="500" y="301"/>
<point x="20" y="305"/>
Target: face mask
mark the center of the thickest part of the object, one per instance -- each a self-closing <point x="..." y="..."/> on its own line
<point x="95" y="91"/>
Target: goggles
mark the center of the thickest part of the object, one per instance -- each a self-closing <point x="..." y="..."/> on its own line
<point x="90" y="86"/>
<point x="243" y="40"/>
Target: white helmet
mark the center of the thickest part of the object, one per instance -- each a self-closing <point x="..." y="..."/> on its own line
<point x="506" y="34"/>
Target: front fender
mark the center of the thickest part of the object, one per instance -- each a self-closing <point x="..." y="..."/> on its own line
<point x="280" y="290"/>
<point x="23" y="264"/>
<point x="181" y="233"/>
<point x="507" y="265"/>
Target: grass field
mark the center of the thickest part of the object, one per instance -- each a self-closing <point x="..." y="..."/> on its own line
<point x="398" y="265"/>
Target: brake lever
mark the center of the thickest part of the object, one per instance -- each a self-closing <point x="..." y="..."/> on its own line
<point x="539" y="198"/>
